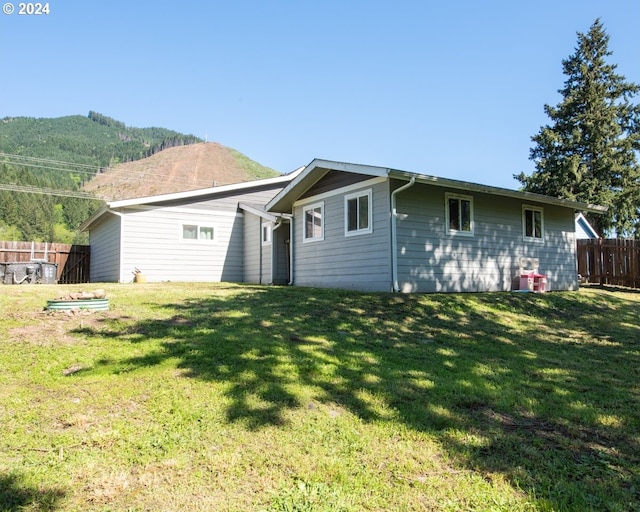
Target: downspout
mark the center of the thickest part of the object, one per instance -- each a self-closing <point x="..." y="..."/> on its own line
<point x="260" y="249"/>
<point x="394" y="232"/>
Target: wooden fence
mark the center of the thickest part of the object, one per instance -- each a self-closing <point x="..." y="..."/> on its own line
<point x="610" y="261"/>
<point x="72" y="260"/>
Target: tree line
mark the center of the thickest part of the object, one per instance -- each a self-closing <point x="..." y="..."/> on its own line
<point x="75" y="149"/>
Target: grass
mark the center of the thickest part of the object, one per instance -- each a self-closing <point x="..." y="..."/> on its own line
<point x="235" y="397"/>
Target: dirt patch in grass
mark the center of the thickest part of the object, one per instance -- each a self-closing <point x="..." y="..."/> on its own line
<point x="52" y="328"/>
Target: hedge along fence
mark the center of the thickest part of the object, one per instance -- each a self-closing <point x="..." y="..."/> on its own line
<point x="73" y="260"/>
<point x="613" y="261"/>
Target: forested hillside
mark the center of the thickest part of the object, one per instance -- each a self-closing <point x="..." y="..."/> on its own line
<point x="43" y="155"/>
<point x="95" y="140"/>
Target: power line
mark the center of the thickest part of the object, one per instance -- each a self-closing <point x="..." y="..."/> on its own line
<point x="47" y="191"/>
<point x="47" y="164"/>
<point x="90" y="170"/>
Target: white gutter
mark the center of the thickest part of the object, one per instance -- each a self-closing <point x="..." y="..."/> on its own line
<point x="394" y="232"/>
<point x="487" y="189"/>
<point x="261" y="250"/>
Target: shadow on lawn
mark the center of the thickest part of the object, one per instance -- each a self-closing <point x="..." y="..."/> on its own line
<point x="553" y="402"/>
<point x="15" y="496"/>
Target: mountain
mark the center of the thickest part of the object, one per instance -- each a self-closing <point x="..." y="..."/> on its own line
<point x="94" y="140"/>
<point x="75" y="155"/>
<point x="201" y="165"/>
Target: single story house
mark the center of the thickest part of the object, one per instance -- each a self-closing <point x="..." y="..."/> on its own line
<point x="342" y="225"/>
<point x="196" y="236"/>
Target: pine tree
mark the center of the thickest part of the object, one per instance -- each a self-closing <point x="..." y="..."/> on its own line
<point x="589" y="151"/>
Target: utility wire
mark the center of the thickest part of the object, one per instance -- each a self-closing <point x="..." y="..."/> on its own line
<point x="90" y="170"/>
<point x="47" y="191"/>
<point x="48" y="160"/>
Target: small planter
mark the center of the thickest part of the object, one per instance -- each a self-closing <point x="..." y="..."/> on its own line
<point x="67" y="305"/>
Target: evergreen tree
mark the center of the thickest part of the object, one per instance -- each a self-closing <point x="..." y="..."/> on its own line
<point x="589" y="151"/>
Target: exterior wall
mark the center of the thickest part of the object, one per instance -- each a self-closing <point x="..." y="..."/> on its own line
<point x="148" y="237"/>
<point x="432" y="260"/>
<point x="104" y="239"/>
<point x="361" y="262"/>
<point x="152" y="242"/>
<point x="257" y="256"/>
<point x="559" y="260"/>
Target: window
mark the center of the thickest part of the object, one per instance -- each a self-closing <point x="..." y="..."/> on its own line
<point x="313" y="222"/>
<point x="357" y="214"/>
<point x="189" y="232"/>
<point x="266" y="234"/>
<point x="205" y="233"/>
<point x="197" y="232"/>
<point x="532" y="223"/>
<point x="459" y="214"/>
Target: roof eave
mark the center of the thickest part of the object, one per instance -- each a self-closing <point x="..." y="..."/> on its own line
<point x="85" y="225"/>
<point x="505" y="192"/>
<point x="200" y="192"/>
<point x="283" y="202"/>
<point x="272" y="217"/>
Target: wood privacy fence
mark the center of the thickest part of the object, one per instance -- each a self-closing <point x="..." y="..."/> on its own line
<point x="610" y="261"/>
<point x="72" y="260"/>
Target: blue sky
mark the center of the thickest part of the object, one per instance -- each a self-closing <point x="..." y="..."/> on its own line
<point x="453" y="89"/>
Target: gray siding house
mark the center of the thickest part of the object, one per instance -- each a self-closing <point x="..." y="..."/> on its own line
<point x="196" y="236"/>
<point x="372" y="228"/>
<point x="341" y="225"/>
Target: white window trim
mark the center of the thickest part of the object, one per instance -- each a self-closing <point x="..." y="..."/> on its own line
<point x="198" y="225"/>
<point x="305" y="209"/>
<point x="459" y="232"/>
<point x="533" y="239"/>
<point x="268" y="227"/>
<point x="369" y="229"/>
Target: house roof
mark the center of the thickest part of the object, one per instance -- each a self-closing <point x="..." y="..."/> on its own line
<point x="283" y="201"/>
<point x="585" y="226"/>
<point x="189" y="194"/>
<point x="200" y="193"/>
<point x="259" y="210"/>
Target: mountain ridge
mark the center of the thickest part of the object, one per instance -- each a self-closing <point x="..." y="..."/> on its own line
<point x="68" y="153"/>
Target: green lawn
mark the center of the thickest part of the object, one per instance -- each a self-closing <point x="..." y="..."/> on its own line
<point x="219" y="397"/>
